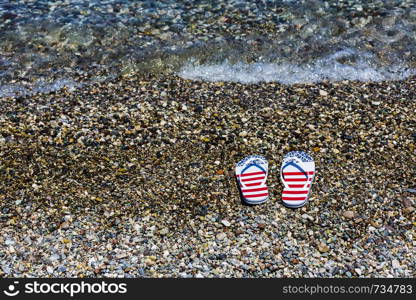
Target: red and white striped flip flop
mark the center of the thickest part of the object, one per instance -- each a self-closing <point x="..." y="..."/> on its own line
<point x="297" y="174"/>
<point x="251" y="174"/>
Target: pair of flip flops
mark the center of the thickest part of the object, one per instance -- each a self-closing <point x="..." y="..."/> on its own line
<point x="296" y="173"/>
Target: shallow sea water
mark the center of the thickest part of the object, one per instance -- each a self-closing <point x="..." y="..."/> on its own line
<point x="46" y="45"/>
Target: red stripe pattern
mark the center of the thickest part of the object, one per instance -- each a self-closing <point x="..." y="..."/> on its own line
<point x="299" y="186"/>
<point x="254" y="190"/>
<point x="293" y="198"/>
<point x="296" y="179"/>
<point x="297" y="173"/>
<point x="295" y="192"/>
<point x="250" y="174"/>
<point x="252" y="185"/>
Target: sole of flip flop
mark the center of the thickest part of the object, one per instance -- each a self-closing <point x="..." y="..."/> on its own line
<point x="256" y="202"/>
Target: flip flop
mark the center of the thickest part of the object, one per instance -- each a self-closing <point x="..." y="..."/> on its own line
<point x="251" y="174"/>
<point x="297" y="174"/>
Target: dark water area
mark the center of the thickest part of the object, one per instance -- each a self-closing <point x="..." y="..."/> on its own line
<point x="46" y="45"/>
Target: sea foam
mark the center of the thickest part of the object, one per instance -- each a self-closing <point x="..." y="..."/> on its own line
<point x="331" y="67"/>
<point x="39" y="87"/>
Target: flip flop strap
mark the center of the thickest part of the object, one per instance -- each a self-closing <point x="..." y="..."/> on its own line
<point x="298" y="165"/>
<point x="256" y="165"/>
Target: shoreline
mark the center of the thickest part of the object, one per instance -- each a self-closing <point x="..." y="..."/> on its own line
<point x="134" y="178"/>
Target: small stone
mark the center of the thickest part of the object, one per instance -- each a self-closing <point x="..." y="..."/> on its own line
<point x="243" y="133"/>
<point x="409" y="210"/>
<point x="226" y="223"/>
<point x="6" y="269"/>
<point x="348" y="274"/>
<point x="164" y="231"/>
<point x="239" y="231"/>
<point x="294" y="261"/>
<point x="155" y="31"/>
<point x="261" y="226"/>
<point x="121" y="255"/>
<point x="411" y="191"/>
<point x="376" y="103"/>
<point x="349" y="214"/>
<point x="141" y="272"/>
<point x="395" y="264"/>
<point x="199" y="109"/>
<point x="137" y="227"/>
<point x="54" y="257"/>
<point x="61" y="269"/>
<point x="49" y="269"/>
<point x="407" y="202"/>
<point x="64" y="225"/>
<point x="323" y="248"/>
<point x="9" y="242"/>
<point x="307" y="217"/>
<point x="150" y="261"/>
<point x="220" y="236"/>
<point x="358" y="271"/>
<point x="323" y="93"/>
<point x="277" y="250"/>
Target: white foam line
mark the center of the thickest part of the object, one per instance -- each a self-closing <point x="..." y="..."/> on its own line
<point x="327" y="68"/>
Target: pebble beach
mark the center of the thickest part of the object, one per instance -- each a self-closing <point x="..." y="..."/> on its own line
<point x="135" y="178"/>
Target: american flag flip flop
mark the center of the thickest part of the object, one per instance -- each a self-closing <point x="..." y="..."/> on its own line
<point x="251" y="174"/>
<point x="297" y="174"/>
